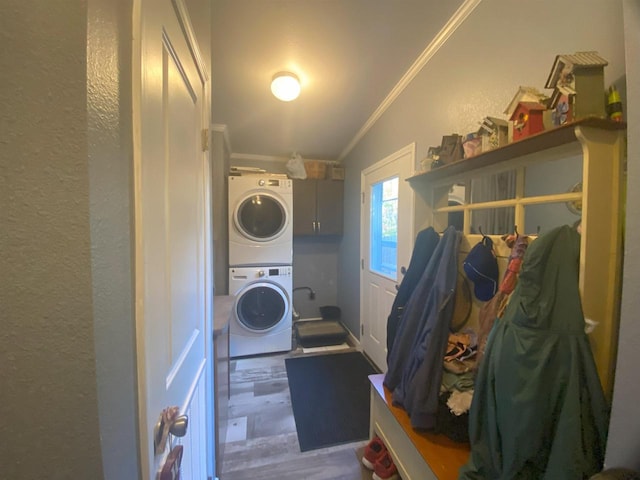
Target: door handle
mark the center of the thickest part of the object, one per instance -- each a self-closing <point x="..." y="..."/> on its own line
<point x="179" y="426"/>
<point x="169" y="422"/>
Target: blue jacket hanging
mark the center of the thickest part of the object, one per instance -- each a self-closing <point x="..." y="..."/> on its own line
<point x="415" y="364"/>
<point x="426" y="242"/>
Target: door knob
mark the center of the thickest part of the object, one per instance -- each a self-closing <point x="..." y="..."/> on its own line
<point x="179" y="426"/>
<point x="403" y="270"/>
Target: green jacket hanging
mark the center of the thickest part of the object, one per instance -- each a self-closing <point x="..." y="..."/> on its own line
<point x="538" y="410"/>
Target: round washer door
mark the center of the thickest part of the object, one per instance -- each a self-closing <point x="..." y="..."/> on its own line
<point x="261" y="306"/>
<point x="261" y="217"/>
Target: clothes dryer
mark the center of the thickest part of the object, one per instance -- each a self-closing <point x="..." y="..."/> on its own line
<point x="260" y="220"/>
<point x="261" y="317"/>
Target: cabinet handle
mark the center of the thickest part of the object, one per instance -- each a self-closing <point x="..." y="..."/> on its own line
<point x="318" y="226"/>
<point x="314" y="226"/>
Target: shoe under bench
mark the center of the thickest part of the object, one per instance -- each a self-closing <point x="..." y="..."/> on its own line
<point x="417" y="455"/>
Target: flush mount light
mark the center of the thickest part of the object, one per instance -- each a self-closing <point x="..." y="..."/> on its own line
<point x="285" y="86"/>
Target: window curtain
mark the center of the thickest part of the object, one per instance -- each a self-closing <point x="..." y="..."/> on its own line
<point x="496" y="221"/>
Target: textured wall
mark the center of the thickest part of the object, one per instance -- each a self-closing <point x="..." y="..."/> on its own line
<point x="110" y="180"/>
<point x="49" y="407"/>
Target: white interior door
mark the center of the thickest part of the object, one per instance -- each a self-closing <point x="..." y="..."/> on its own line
<point x="172" y="251"/>
<point x="386" y="242"/>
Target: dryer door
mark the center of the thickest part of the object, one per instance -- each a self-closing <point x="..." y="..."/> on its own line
<point x="261" y="306"/>
<point x="261" y="217"/>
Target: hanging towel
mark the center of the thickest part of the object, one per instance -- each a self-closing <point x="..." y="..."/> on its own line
<point x="538" y="408"/>
<point x="415" y="365"/>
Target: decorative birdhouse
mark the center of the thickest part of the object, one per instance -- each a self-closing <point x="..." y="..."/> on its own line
<point x="578" y="87"/>
<point x="527" y="119"/>
<point x="524" y="94"/>
<point x="494" y="133"/>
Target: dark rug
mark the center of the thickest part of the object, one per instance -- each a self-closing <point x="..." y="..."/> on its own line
<point x="330" y="398"/>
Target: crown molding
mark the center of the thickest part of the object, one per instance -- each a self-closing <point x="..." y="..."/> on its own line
<point x="439" y="40"/>
<point x="260" y="158"/>
<point x="273" y="158"/>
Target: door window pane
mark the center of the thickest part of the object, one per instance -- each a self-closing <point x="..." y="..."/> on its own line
<point x="384" y="227"/>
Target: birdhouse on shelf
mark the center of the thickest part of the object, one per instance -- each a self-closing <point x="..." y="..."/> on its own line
<point x="527" y="119"/>
<point x="577" y="81"/>
<point x="524" y="94"/>
<point x="494" y="133"/>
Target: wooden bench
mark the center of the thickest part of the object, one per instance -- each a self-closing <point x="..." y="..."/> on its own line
<point x="418" y="455"/>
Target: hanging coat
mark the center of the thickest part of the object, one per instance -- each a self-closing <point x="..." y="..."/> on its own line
<point x="538" y="410"/>
<point x="415" y="364"/>
<point x="426" y="242"/>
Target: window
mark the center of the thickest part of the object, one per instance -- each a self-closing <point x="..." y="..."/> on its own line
<point x="384" y="227"/>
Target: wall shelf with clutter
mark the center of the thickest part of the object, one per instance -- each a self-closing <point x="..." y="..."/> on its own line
<point x="556" y="161"/>
<point x="599" y="145"/>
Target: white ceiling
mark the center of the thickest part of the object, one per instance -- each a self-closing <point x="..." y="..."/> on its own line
<point x="349" y="55"/>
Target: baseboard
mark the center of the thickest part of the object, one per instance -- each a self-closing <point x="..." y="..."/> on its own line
<point x="328" y="348"/>
<point x="352" y="340"/>
<point x="310" y="319"/>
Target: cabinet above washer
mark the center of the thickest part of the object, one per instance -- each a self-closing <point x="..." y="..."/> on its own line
<point x="317" y="207"/>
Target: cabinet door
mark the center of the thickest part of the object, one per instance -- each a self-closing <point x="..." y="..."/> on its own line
<point x="304" y="207"/>
<point x="329" y="207"/>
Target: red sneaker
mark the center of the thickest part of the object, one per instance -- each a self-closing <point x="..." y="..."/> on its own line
<point x="373" y="451"/>
<point x="385" y="469"/>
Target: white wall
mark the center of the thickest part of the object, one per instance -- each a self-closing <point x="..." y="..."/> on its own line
<point x="623" y="448"/>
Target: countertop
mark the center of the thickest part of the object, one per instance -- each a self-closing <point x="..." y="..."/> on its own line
<point x="222" y="306"/>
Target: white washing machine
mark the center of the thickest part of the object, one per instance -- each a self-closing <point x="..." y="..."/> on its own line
<point x="260" y="220"/>
<point x="261" y="318"/>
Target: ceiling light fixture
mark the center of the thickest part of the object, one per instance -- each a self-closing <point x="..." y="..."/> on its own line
<point x="285" y="86"/>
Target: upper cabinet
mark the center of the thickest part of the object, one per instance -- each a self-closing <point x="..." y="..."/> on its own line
<point x="573" y="173"/>
<point x="317" y="207"/>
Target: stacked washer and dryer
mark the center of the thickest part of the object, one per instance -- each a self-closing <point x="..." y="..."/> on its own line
<point x="260" y="263"/>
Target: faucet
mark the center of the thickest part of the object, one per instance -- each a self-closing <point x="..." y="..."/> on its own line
<point x="312" y="296"/>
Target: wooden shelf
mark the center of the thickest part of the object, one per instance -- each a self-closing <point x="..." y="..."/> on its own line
<point x="600" y="146"/>
<point x="441" y="455"/>
<point x="557" y="137"/>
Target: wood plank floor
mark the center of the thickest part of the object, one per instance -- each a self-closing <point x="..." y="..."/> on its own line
<point x="262" y="443"/>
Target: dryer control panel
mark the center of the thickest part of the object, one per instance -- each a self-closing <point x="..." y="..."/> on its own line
<point x="256" y="273"/>
<point x="279" y="272"/>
